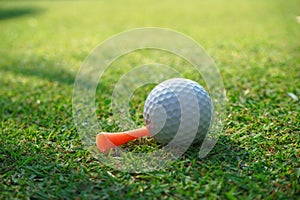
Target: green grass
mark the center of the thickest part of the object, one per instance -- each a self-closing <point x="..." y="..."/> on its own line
<point x="256" y="46"/>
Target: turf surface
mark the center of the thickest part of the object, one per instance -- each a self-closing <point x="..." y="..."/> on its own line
<point x="256" y="47"/>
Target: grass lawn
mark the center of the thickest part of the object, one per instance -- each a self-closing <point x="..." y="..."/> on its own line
<point x="254" y="43"/>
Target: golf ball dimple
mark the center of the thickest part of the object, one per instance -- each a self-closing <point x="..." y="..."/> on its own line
<point x="163" y="113"/>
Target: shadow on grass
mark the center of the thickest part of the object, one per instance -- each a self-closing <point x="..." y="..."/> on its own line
<point x="49" y="70"/>
<point x="225" y="149"/>
<point x="7" y="13"/>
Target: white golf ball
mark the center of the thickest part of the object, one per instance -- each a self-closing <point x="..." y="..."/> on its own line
<point x="178" y="101"/>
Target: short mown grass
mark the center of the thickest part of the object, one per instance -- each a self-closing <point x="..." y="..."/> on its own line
<point x="256" y="46"/>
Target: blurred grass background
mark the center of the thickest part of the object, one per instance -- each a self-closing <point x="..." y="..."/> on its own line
<point x="256" y="46"/>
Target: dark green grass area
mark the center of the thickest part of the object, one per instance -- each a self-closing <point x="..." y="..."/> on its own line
<point x="256" y="46"/>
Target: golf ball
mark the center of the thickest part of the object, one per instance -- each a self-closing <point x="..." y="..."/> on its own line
<point x="178" y="105"/>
